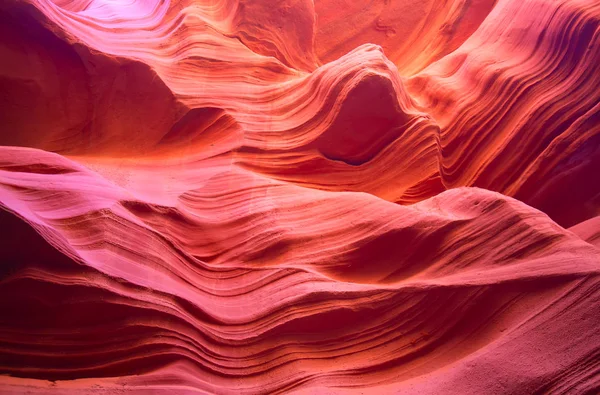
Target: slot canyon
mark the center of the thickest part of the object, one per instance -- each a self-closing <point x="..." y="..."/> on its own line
<point x="299" y="196"/>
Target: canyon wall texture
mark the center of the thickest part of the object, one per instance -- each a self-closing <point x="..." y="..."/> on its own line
<point x="298" y="196"/>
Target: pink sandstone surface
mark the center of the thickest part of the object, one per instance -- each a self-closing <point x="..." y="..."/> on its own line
<point x="297" y="196"/>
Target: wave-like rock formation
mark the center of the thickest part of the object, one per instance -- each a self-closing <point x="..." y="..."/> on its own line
<point x="328" y="196"/>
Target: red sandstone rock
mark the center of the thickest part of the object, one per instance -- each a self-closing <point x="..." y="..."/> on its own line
<point x="265" y="197"/>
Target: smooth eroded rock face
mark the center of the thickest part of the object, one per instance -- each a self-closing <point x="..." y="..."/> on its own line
<point x="329" y="196"/>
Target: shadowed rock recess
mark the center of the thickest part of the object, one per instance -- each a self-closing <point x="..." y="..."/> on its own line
<point x="299" y="196"/>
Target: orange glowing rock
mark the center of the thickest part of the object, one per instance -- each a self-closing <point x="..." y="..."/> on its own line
<point x="256" y="196"/>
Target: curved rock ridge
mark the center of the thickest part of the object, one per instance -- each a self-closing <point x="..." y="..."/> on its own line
<point x="289" y="119"/>
<point x="235" y="196"/>
<point x="228" y="281"/>
<point x="523" y="83"/>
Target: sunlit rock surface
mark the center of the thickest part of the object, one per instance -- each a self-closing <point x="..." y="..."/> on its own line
<point x="258" y="196"/>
